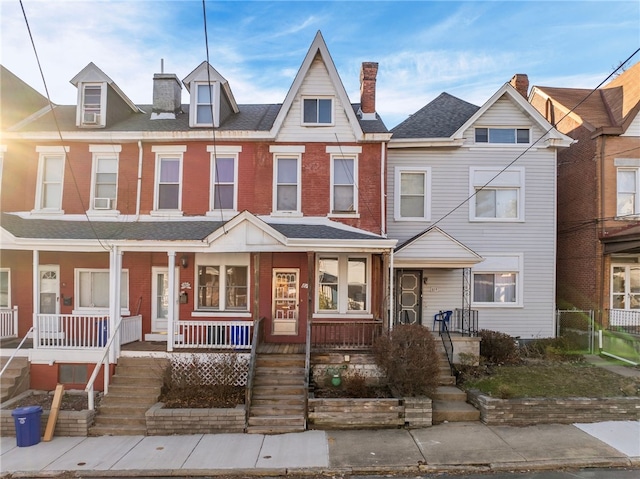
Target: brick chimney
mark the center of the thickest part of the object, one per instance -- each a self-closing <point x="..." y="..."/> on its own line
<point x="520" y="82"/>
<point x="167" y="96"/>
<point x="368" y="75"/>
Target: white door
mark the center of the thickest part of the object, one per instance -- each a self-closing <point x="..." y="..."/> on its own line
<point x="49" y="289"/>
<point x="285" y="301"/>
<point x="160" y="298"/>
<point x="625" y="287"/>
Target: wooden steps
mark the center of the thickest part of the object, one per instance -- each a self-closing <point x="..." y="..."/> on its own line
<point x="278" y="399"/>
<point x="16" y="379"/>
<point x="134" y="388"/>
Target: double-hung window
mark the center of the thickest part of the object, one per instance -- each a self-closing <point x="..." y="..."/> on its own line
<point x="317" y="111"/>
<point x="104" y="185"/>
<point x="343" y="284"/>
<point x="205" y="94"/>
<point x="412" y="194"/>
<point x="627" y="192"/>
<point x="92" y="104"/>
<point x="92" y="289"/>
<point x="5" y="288"/>
<point x="223" y="282"/>
<point x="344" y="184"/>
<point x="224" y="178"/>
<point x="168" y="182"/>
<point x="497" y="281"/>
<point x="496" y="195"/>
<point x="503" y="135"/>
<point x="50" y="179"/>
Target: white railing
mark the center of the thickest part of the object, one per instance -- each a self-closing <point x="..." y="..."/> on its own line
<point x="627" y="319"/>
<point x="71" y="331"/>
<point x="131" y="329"/>
<point x="9" y="322"/>
<point x="213" y="334"/>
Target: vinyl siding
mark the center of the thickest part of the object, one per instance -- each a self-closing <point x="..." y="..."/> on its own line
<point x="634" y="127"/>
<point x="534" y="238"/>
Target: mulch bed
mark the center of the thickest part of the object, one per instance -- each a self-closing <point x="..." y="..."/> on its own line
<point x="70" y="402"/>
<point x="203" y="397"/>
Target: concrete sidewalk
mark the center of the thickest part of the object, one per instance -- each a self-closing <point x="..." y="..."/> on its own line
<point x="445" y="447"/>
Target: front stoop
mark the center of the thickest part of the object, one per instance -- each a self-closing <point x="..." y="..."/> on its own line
<point x="279" y="396"/>
<point x="16" y="378"/>
<point x="449" y="402"/>
<point x="134" y="388"/>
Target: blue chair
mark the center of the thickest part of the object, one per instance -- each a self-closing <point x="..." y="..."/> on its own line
<point x="441" y="317"/>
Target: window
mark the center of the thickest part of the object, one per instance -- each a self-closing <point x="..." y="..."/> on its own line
<point x="224" y="177"/>
<point x="92" y="289"/>
<point x="343" y="185"/>
<point x="50" y="179"/>
<point x="412" y="194"/>
<point x="105" y="176"/>
<point x="497" y="281"/>
<point x="228" y="291"/>
<point x="497" y="195"/>
<point x="627" y="188"/>
<point x="343" y="284"/>
<point x="168" y="191"/>
<point x="5" y="288"/>
<point x="502" y="135"/>
<point x="91" y="104"/>
<point x="73" y="373"/>
<point x="317" y="111"/>
<point x="287" y="194"/>
<point x="204" y="104"/>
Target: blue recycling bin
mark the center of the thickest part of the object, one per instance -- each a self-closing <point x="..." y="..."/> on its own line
<point x="27" y="421"/>
<point x="103" y="332"/>
<point x="239" y="336"/>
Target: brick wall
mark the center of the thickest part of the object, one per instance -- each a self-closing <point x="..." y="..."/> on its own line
<point x="69" y="423"/>
<point x="165" y="422"/>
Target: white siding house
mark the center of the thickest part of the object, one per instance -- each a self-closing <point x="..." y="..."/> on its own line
<point x="472" y="198"/>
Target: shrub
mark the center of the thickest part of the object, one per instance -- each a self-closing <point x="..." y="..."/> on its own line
<point x="408" y="358"/>
<point x="498" y="348"/>
<point x="554" y="349"/>
<point x="355" y="385"/>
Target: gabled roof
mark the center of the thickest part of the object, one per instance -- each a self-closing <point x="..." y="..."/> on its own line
<point x="91" y="73"/>
<point x="318" y="47"/>
<point x="433" y="248"/>
<point x="613" y="107"/>
<point x="18" y="99"/>
<point x="200" y="74"/>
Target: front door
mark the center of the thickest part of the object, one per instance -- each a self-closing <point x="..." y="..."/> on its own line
<point x="285" y="301"/>
<point x="49" y="289"/>
<point x="408" y="296"/>
<point x="160" y="299"/>
<point x="625" y="287"/>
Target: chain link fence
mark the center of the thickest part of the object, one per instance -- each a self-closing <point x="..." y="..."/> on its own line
<point x="577" y="328"/>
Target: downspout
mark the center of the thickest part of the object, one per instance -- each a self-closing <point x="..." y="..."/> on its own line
<point x="602" y="274"/>
<point x="36" y="296"/>
<point x="383" y="198"/>
<point x="139" y="183"/>
<point x="392" y="303"/>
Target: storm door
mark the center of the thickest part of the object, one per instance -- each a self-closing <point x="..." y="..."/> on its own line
<point x="408" y="296"/>
<point x="285" y="301"/>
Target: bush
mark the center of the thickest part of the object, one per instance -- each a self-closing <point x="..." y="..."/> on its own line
<point x="498" y="348"/>
<point x="409" y="360"/>
<point x="554" y="349"/>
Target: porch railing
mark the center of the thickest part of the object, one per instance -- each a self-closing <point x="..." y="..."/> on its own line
<point x="257" y="336"/>
<point x="447" y="343"/>
<point x="213" y="334"/>
<point x="131" y="329"/>
<point x="465" y="322"/>
<point x="9" y="322"/>
<point x="71" y="331"/>
<point x="357" y="334"/>
<point x="627" y="320"/>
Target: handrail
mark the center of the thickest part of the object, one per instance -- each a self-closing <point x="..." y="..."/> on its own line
<point x="448" y="344"/>
<point x="307" y="365"/>
<point x="257" y="325"/>
<point x="105" y="357"/>
<point x="16" y="351"/>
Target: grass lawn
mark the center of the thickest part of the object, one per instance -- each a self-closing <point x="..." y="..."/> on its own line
<point x="553" y="379"/>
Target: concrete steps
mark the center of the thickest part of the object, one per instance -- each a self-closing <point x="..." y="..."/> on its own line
<point x="278" y="397"/>
<point x="134" y="388"/>
<point x="450" y="403"/>
<point x="16" y="379"/>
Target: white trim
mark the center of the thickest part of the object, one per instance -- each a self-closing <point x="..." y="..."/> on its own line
<point x="398" y="171"/>
<point x="53" y="149"/>
<point x="221" y="261"/>
<point x="287" y="148"/>
<point x="78" y="309"/>
<point x="499" y="180"/>
<point x="274" y="207"/>
<point x="8" y="271"/>
<point x="169" y="148"/>
<point x="104" y="153"/>
<point x="214" y="87"/>
<point x="501" y="263"/>
<point x="223" y="154"/>
<point x="55" y="152"/>
<point x="343" y="150"/>
<point x="636" y="192"/>
<point x="343" y="286"/>
<point x="318" y="98"/>
<point x="105" y="148"/>
<point x="167" y="153"/>
<point x="80" y="111"/>
<point x="224" y="149"/>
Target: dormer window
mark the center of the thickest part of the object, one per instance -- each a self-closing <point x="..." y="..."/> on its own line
<point x="91" y="105"/>
<point x="317" y="111"/>
<point x="204" y="104"/>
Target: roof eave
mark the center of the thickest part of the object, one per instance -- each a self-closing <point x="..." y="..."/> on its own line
<point x="424" y="142"/>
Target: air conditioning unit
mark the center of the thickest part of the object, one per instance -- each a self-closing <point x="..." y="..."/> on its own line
<point x="90" y="118"/>
<point x="102" y="203"/>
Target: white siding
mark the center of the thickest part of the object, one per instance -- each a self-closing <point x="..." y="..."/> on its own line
<point x="634" y="127"/>
<point x="316" y="83"/>
<point x="534" y="238"/>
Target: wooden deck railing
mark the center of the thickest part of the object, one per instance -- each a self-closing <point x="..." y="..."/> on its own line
<point x="9" y="322"/>
<point x="71" y="331"/>
<point x="339" y="334"/>
<point x="213" y="334"/>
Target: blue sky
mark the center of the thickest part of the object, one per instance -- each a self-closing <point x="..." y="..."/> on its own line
<point x="468" y="49"/>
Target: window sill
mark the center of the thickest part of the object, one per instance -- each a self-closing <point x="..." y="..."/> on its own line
<point x="165" y="213"/>
<point x="336" y="315"/>
<point x="286" y="214"/>
<point x="224" y="214"/>
<point x="44" y="213"/>
<point x="103" y="212"/>
<point x="220" y="314"/>
<point x="344" y="215"/>
<point x="496" y="220"/>
<point x="414" y="220"/>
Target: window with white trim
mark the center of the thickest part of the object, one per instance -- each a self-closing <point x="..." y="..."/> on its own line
<point x="224" y="178"/>
<point x="50" y="179"/>
<point x="412" y="194"/>
<point x="92" y="99"/>
<point x="5" y="288"/>
<point x="168" y="179"/>
<point x="343" y="284"/>
<point x="497" y="281"/>
<point x="496" y="195"/>
<point x="317" y="111"/>
<point x="503" y="135"/>
<point x="104" y="186"/>
<point x="223" y="283"/>
<point x="204" y="99"/>
<point x="344" y="186"/>
<point x="92" y="289"/>
<point x="627" y="192"/>
<point x="287" y="183"/>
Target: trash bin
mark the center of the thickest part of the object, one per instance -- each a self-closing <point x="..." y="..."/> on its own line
<point x="27" y="421"/>
<point x="239" y="336"/>
<point x="103" y="332"/>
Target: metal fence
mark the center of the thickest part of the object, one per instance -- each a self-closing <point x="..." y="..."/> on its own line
<point x="577" y="328"/>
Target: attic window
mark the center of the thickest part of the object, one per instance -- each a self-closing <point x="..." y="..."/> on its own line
<point x="91" y="104"/>
<point x="317" y="111"/>
<point x="503" y="135"/>
<point x="204" y="104"/>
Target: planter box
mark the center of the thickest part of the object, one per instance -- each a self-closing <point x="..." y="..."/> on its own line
<point x="527" y="411"/>
<point x="348" y="413"/>
<point x="165" y="422"/>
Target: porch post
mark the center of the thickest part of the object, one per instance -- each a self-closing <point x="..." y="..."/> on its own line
<point x="115" y="273"/>
<point x="385" y="287"/>
<point x="172" y="301"/>
<point x="392" y="302"/>
<point x="36" y="296"/>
